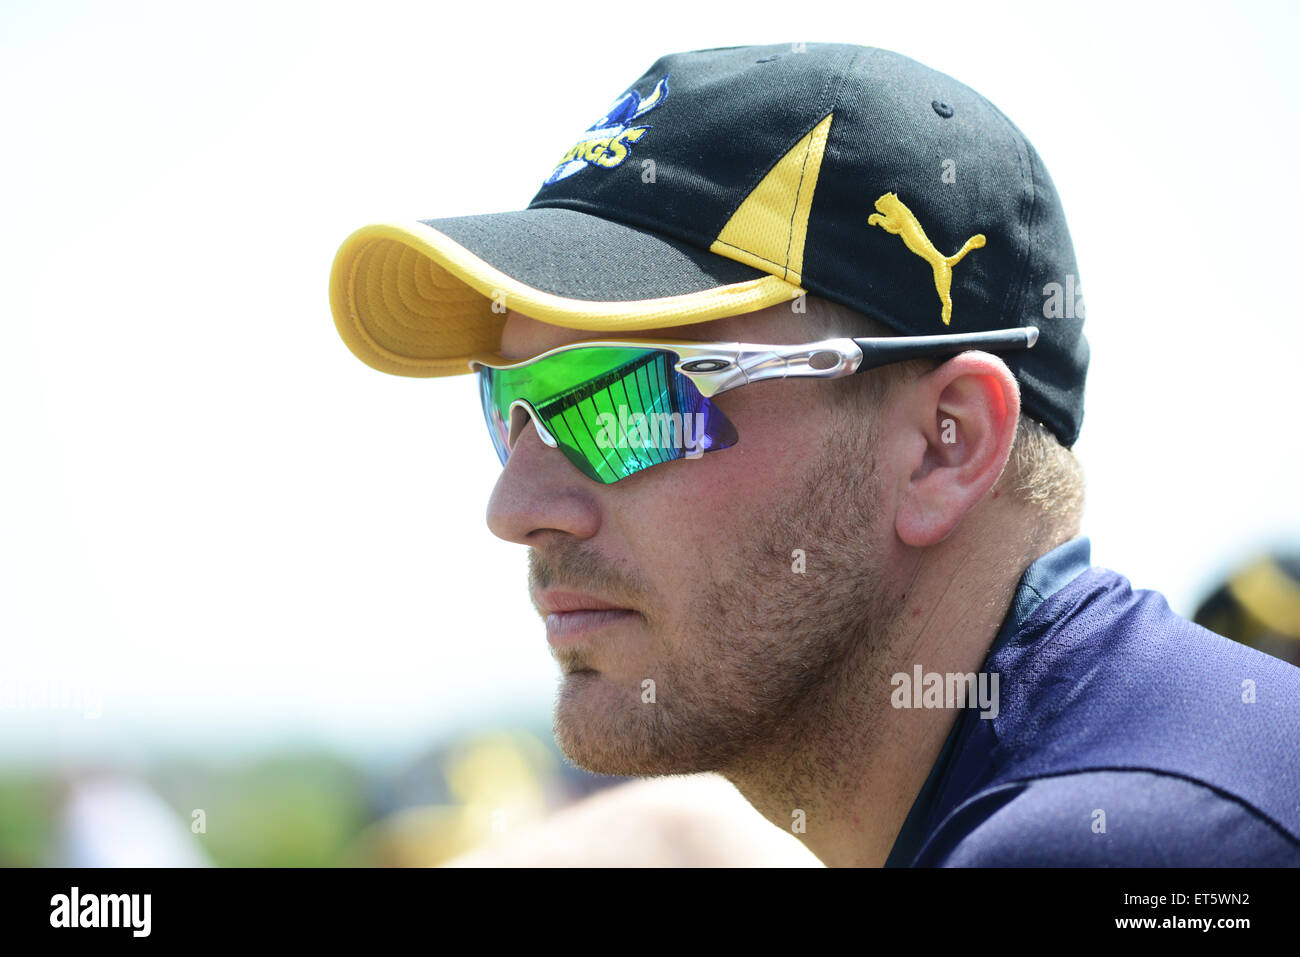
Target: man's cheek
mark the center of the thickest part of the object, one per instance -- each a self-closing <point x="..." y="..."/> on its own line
<point x="745" y="483"/>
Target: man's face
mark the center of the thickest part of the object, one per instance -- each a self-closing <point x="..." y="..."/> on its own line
<point x="729" y="641"/>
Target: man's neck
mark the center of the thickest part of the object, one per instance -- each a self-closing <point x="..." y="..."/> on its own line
<point x="846" y="775"/>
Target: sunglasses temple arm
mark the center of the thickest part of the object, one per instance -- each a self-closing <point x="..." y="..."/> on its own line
<point x="879" y="352"/>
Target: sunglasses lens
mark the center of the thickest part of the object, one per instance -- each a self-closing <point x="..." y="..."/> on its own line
<point x="498" y="416"/>
<point x="613" y="411"/>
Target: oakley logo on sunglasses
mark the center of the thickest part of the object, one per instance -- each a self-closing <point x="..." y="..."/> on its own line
<point x="705" y="365"/>
<point x="654" y="430"/>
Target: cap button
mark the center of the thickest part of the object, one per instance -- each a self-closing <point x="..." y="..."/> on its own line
<point x="942" y="108"/>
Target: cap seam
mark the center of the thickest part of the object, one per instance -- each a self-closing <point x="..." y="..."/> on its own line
<point x="843" y="78"/>
<point x="1013" y="300"/>
<point x="823" y="111"/>
<point x="1017" y="292"/>
<point x="794" y="208"/>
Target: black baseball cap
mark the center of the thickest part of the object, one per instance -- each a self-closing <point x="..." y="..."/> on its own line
<point x="728" y="180"/>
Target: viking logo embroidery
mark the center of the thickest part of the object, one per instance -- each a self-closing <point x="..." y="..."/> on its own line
<point x="608" y="141"/>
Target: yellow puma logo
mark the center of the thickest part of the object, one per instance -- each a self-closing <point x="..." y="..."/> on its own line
<point x="894" y="217"/>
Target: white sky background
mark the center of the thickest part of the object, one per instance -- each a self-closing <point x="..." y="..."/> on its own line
<point x="239" y="535"/>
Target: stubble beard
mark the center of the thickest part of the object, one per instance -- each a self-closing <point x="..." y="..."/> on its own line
<point x="766" y="662"/>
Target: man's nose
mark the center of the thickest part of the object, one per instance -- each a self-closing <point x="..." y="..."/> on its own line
<point x="540" y="491"/>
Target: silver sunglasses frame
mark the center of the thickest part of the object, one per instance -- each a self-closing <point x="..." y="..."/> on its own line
<point x="718" y="367"/>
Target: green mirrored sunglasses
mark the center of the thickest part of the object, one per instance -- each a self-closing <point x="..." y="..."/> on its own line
<point x="617" y="407"/>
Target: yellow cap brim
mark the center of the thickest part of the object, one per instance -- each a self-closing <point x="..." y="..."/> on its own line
<point x="409" y="300"/>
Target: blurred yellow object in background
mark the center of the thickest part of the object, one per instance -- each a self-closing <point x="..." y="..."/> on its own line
<point x="500" y="780"/>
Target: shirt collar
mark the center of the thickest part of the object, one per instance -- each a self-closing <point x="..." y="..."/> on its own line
<point x="1046" y="575"/>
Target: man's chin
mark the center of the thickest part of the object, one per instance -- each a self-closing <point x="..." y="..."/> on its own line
<point x="606" y="729"/>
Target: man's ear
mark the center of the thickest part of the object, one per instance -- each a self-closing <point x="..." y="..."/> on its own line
<point x="961" y="419"/>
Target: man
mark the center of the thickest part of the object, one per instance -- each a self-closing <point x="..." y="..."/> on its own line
<point x="841" y="567"/>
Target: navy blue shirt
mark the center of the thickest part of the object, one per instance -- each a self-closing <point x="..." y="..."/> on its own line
<point x="1125" y="736"/>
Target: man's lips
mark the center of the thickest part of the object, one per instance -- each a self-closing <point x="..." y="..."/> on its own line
<point x="573" y="616"/>
<point x="553" y="602"/>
